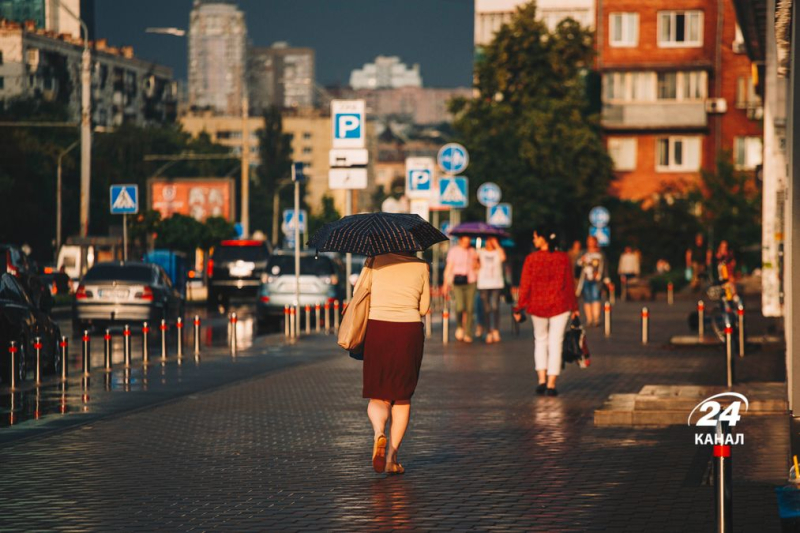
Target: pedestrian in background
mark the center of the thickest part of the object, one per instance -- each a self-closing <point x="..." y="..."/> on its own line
<point x="490" y="285"/>
<point x="575" y="253"/>
<point x="629" y="266"/>
<point x="594" y="272"/>
<point x="698" y="261"/>
<point x="399" y="298"/>
<point x="547" y="293"/>
<point x="461" y="273"/>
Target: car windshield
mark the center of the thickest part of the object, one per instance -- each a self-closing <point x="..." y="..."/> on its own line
<point x="132" y="273"/>
<point x="245" y="253"/>
<point x="283" y="265"/>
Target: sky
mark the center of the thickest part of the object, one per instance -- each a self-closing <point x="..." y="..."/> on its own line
<point x="345" y="34"/>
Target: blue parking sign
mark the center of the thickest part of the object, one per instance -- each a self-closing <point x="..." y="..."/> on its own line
<point x="348" y="126"/>
<point x="453" y="192"/>
<point x="124" y="199"/>
<point x="347" y="117"/>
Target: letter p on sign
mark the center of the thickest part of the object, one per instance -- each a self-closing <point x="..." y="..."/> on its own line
<point x="348" y="126"/>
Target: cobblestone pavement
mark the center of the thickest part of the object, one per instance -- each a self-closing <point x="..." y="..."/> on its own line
<point x="289" y="449"/>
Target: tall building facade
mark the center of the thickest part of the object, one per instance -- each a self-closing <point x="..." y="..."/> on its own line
<point x="280" y="75"/>
<point x="217" y="62"/>
<point x="38" y="63"/>
<point x="387" y="72"/>
<point x="678" y="92"/>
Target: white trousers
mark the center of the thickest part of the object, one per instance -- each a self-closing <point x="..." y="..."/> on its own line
<point x="548" y="334"/>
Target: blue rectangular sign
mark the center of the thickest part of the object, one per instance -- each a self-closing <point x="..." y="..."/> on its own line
<point x="124" y="199"/>
<point x="603" y="235"/>
<point x="453" y="192"/>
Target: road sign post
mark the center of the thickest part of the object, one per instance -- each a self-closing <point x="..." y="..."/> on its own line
<point x="500" y="215"/>
<point x="297" y="178"/>
<point x="124" y="201"/>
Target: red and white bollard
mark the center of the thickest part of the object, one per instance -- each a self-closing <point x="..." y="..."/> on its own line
<point x="234" y="319"/>
<point x="308" y="320"/>
<point x="317" y="325"/>
<point x="163" y="328"/>
<point x="327" y="317"/>
<point x="286" y="321"/>
<point x="12" y="352"/>
<point x="179" y="333"/>
<point x="445" y="324"/>
<point x="729" y="353"/>
<point x="126" y="345"/>
<point x="670" y="293"/>
<point x="740" y="316"/>
<point x="292" y="319"/>
<point x="701" y="321"/>
<point x="107" y="352"/>
<point x="645" y="325"/>
<point x="607" y="318"/>
<point x="145" y="346"/>
<point x="196" y="336"/>
<point x="64" y="346"/>
<point x="335" y="316"/>
<point x="87" y="363"/>
<point x="37" y="346"/>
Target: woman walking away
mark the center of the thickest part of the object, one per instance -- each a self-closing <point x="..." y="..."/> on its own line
<point x="490" y="285"/>
<point x="399" y="298"/>
<point x="547" y="292"/>
<point x="461" y="273"/>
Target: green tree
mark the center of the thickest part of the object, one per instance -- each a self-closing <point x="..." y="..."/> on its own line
<point x="217" y="229"/>
<point x="181" y="233"/>
<point x="275" y="153"/>
<point x="530" y="128"/>
<point x="327" y="213"/>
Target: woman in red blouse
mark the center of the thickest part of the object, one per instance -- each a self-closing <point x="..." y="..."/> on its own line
<point x="547" y="293"/>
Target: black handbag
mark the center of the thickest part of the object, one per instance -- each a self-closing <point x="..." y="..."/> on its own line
<point x="575" y="349"/>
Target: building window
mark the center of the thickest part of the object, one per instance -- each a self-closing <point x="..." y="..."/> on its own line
<point x="693" y="85"/>
<point x="680" y="28"/>
<point x="615" y="86"/>
<point x="747" y="152"/>
<point x="624" y="29"/>
<point x="623" y="153"/>
<point x="641" y="86"/>
<point x="667" y="85"/>
<point x="307" y="135"/>
<point x="677" y="154"/>
<point x="307" y="150"/>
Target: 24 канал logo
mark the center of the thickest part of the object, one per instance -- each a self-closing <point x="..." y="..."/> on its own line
<point x="717" y="417"/>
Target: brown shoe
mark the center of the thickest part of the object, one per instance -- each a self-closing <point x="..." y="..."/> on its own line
<point x="379" y="454"/>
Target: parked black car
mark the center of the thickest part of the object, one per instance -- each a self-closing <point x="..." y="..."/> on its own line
<point x="237" y="268"/>
<point x="17" y="263"/>
<point x="21" y="320"/>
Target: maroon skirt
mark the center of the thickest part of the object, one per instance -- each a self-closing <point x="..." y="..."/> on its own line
<point x="392" y="359"/>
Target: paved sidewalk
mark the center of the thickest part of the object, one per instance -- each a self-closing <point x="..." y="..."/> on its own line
<point x="290" y="450"/>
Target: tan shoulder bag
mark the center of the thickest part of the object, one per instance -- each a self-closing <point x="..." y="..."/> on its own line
<point x="353" y="328"/>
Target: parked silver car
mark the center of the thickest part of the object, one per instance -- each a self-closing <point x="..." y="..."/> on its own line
<point x="321" y="280"/>
<point x="120" y="292"/>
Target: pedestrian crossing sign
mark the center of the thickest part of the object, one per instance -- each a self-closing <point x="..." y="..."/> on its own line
<point x="500" y="215"/>
<point x="453" y="192"/>
<point x="124" y="199"/>
<point x="603" y="235"/>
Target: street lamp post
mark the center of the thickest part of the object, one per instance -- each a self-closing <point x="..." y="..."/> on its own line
<point x="86" y="122"/>
<point x="61" y="156"/>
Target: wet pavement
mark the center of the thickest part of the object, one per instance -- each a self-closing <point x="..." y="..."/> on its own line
<point x="278" y="439"/>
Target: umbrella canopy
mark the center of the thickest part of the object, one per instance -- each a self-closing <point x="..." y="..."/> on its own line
<point x="373" y="234"/>
<point x="477" y="229"/>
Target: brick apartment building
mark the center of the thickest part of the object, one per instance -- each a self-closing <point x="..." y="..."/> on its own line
<point x="678" y="89"/>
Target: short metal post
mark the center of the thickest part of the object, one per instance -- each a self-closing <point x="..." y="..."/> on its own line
<point x="670" y="293"/>
<point x="740" y="315"/>
<point x="327" y="317"/>
<point x="12" y="350"/>
<point x="233" y="334"/>
<point x="308" y="320"/>
<point x="179" y="335"/>
<point x="723" y="481"/>
<point x="37" y="346"/>
<point x="292" y="319"/>
<point x="145" y="347"/>
<point x="87" y="353"/>
<point x="607" y="317"/>
<point x="316" y="317"/>
<point x="64" y="345"/>
<point x="336" y="316"/>
<point x="107" y="357"/>
<point x="612" y="293"/>
<point x="645" y="325"/>
<point x="163" y="339"/>
<point x="428" y="325"/>
<point x="729" y="352"/>
<point x="196" y="335"/>
<point x="445" y="324"/>
<point x="286" y="322"/>
<point x="126" y="345"/>
<point x="701" y="320"/>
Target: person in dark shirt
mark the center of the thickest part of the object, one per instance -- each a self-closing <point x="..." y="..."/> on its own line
<point x="698" y="259"/>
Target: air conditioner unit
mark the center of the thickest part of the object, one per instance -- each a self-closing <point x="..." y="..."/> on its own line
<point x="716" y="105"/>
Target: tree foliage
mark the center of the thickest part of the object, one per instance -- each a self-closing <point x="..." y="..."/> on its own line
<point x="530" y="129"/>
<point x="275" y="153"/>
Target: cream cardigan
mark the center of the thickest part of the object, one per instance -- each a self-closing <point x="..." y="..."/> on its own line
<point x="400" y="288"/>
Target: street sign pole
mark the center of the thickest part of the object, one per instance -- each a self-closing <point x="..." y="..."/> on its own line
<point x="348" y="210"/>
<point x="124" y="237"/>
<point x="436" y="251"/>
<point x="297" y="249"/>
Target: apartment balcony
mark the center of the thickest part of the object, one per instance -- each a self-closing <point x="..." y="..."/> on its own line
<point x="654" y="115"/>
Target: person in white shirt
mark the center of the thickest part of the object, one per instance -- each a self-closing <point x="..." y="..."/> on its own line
<point x="490" y="285"/>
<point x="628" y="264"/>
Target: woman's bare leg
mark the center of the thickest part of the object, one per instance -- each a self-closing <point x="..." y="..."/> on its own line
<point x="401" y="412"/>
<point x="378" y="412"/>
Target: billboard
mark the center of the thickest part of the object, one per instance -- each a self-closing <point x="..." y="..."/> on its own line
<point x="198" y="198"/>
